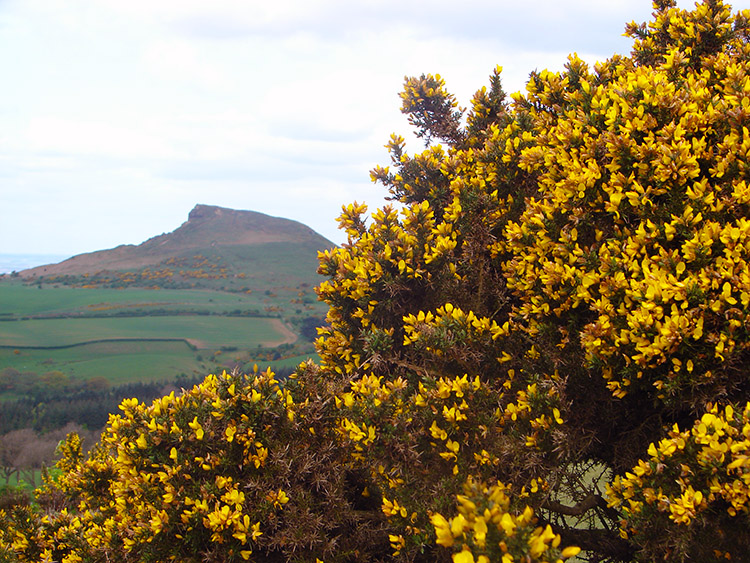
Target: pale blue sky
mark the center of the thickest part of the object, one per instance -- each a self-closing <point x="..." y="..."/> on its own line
<point x="118" y="116"/>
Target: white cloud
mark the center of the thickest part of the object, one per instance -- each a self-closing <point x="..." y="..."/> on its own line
<point x="85" y="138"/>
<point x="119" y="116"/>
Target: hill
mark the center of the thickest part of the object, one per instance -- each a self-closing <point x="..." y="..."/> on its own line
<point x="227" y="289"/>
<point x="216" y="248"/>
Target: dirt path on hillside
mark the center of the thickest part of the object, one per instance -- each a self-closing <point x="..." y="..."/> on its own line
<point x="288" y="335"/>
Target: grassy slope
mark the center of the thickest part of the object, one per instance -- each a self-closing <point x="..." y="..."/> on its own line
<point x="20" y="300"/>
<point x="202" y="331"/>
<point x="268" y="265"/>
<point x="122" y="362"/>
<point x="125" y="363"/>
<point x="129" y="363"/>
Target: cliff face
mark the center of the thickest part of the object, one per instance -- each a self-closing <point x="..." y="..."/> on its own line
<point x="207" y="226"/>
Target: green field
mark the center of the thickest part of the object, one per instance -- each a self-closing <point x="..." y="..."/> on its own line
<point x="134" y="334"/>
<point x="20" y="300"/>
<point x="129" y="362"/>
<point x="118" y="363"/>
<point x="200" y="331"/>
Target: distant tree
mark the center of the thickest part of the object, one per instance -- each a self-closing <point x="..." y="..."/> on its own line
<point x="12" y="446"/>
<point x="35" y="455"/>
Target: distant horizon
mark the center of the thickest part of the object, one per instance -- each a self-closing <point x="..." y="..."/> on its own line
<point x="16" y="262"/>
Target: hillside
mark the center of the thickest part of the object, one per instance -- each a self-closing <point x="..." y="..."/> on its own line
<point x="207" y="227"/>
<point x="216" y="247"/>
<point x="226" y="289"/>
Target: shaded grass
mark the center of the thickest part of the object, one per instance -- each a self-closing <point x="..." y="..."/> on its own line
<point x="119" y="369"/>
<point x="204" y="331"/>
<point x="140" y="359"/>
<point x="19" y="299"/>
<point x="117" y="362"/>
<point x="128" y="362"/>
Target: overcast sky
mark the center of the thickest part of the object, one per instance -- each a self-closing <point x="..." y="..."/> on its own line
<point x="118" y="116"/>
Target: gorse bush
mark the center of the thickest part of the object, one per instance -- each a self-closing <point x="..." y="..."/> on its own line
<point x="539" y="353"/>
<point x="236" y="465"/>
